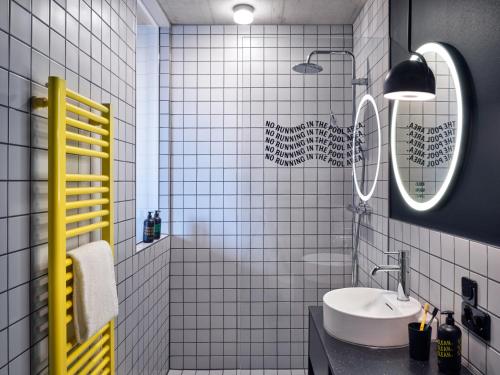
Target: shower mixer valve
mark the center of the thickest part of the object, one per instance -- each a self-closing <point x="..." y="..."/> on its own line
<point x="360" y="81"/>
<point x="361" y="208"/>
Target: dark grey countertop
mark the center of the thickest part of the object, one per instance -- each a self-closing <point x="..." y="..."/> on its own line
<point x="351" y="359"/>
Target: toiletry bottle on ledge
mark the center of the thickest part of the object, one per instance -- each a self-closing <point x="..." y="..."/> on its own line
<point x="149" y="227"/>
<point x="157" y="232"/>
<point x="449" y="346"/>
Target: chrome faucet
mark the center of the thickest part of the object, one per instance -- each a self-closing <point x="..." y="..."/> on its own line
<point x="402" y="268"/>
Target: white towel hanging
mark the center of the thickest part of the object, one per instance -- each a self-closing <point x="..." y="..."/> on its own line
<point x="95" y="299"/>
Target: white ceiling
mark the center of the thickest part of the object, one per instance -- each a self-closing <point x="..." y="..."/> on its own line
<point x="266" y="11"/>
<point x="143" y="16"/>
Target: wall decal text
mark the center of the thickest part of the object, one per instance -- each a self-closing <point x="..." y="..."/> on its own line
<point x="289" y="146"/>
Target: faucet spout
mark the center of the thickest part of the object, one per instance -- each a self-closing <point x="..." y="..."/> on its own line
<point x="385" y="268"/>
<point x="402" y="270"/>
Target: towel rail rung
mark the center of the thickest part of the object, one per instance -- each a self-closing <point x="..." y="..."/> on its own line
<point x="69" y="262"/>
<point x="85" y="126"/>
<point x="77" y="351"/>
<point x="95" y="360"/>
<point x="69" y="318"/>
<point x="86" y="178"/>
<point x="69" y="290"/>
<point x="84" y="113"/>
<point x="99" y="368"/>
<point x="86" y="190"/>
<point x="83" y="138"/>
<point x="86" y="203"/>
<point x="86" y="216"/>
<point x="86" y="229"/>
<point x="81" y="361"/>
<point x="88" y="102"/>
<point x="86" y="152"/>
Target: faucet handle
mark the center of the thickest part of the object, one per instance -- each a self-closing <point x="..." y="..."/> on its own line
<point x="402" y="255"/>
<point x="396" y="252"/>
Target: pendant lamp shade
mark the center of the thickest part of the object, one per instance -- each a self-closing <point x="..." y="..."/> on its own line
<point x="410" y="80"/>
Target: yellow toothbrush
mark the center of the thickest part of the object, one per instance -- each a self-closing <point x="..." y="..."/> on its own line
<point x="424" y="318"/>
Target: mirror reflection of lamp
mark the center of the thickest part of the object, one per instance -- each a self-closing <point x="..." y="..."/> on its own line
<point x="412" y="79"/>
<point x="451" y="59"/>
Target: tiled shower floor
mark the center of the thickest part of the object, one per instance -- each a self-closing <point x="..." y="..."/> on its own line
<point x="238" y="372"/>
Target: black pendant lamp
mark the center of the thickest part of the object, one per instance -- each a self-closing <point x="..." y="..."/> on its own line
<point x="411" y="79"/>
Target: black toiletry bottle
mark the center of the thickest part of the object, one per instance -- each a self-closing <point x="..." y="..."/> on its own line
<point x="449" y="346"/>
<point x="157" y="232"/>
<point x="149" y="227"/>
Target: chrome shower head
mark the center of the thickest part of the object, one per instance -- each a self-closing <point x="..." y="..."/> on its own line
<point x="307" y="68"/>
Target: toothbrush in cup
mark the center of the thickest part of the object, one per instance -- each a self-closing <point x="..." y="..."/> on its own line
<point x="424" y="317"/>
<point x="433" y="315"/>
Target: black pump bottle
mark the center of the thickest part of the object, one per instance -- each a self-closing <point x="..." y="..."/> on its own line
<point x="157" y="231"/>
<point x="149" y="227"/>
<point x="449" y="346"/>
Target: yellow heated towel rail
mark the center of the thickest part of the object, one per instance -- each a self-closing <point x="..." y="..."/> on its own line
<point x="67" y="111"/>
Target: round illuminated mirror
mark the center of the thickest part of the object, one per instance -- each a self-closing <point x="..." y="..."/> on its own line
<point x="367" y="145"/>
<point x="427" y="137"/>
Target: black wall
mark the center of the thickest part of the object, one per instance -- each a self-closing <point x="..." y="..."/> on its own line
<point x="472" y="209"/>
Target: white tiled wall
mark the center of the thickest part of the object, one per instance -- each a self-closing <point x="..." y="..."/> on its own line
<point x="438" y="260"/>
<point x="247" y="234"/>
<point x="92" y="45"/>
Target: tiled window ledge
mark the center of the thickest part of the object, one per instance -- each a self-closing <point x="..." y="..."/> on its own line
<point x="144" y="245"/>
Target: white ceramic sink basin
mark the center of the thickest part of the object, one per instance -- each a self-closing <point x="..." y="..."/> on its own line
<point x="369" y="317"/>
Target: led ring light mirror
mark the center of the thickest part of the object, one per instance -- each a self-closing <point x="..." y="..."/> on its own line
<point x="427" y="137"/>
<point x="367" y="122"/>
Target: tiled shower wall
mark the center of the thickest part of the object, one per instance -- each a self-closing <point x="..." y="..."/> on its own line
<point x="249" y="237"/>
<point x="292" y="244"/>
<point x="92" y="45"/>
<point x="438" y="260"/>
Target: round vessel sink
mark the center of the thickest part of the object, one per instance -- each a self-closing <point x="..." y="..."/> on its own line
<point x="369" y="317"/>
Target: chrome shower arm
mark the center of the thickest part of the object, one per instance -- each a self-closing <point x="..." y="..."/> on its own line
<point x="355" y="81"/>
<point x="328" y="52"/>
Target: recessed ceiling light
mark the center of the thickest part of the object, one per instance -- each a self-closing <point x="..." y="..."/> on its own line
<point x="243" y="14"/>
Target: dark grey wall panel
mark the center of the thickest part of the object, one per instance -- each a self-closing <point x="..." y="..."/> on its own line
<point x="472" y="209"/>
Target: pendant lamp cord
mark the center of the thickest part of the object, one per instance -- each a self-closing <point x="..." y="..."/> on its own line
<point x="409" y="26"/>
<point x="410" y="51"/>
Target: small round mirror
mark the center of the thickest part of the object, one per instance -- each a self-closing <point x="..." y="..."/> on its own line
<point x="426" y="137"/>
<point x="367" y="143"/>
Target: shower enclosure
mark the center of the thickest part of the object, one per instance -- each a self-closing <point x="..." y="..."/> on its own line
<point x="358" y="211"/>
<point x="294" y="233"/>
